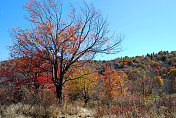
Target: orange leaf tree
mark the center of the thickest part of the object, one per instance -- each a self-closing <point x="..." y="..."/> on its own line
<point x="141" y="81"/>
<point x="112" y="83"/>
<point x="61" y="36"/>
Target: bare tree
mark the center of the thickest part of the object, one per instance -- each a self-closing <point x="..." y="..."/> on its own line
<point x="62" y="36"/>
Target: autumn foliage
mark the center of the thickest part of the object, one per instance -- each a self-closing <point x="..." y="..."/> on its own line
<point x="55" y="43"/>
<point x="53" y="59"/>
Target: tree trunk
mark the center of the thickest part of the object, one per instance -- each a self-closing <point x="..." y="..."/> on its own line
<point x="59" y="87"/>
<point x="86" y="99"/>
<point x="58" y="81"/>
<point x="59" y="92"/>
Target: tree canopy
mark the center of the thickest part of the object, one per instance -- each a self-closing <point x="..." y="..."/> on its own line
<point x="61" y="38"/>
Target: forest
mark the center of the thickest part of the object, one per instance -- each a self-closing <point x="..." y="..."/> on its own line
<point x="141" y="86"/>
<point x="52" y="71"/>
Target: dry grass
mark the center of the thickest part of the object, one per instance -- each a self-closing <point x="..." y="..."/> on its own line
<point x="54" y="111"/>
<point x="139" y="107"/>
<point x="45" y="105"/>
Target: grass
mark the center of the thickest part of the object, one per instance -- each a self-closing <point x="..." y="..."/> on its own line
<point x="139" y="107"/>
<point x="45" y="105"/>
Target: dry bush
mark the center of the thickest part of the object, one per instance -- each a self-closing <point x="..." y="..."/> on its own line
<point x="41" y="105"/>
<point x="10" y="96"/>
<point x="45" y="105"/>
<point x="137" y="107"/>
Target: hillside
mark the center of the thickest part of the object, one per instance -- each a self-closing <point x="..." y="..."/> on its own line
<point x="143" y="85"/>
<point x="161" y="65"/>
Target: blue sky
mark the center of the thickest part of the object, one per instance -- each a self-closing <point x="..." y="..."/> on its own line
<point x="148" y="25"/>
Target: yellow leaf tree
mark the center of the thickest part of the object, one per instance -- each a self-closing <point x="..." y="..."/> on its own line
<point x="83" y="86"/>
